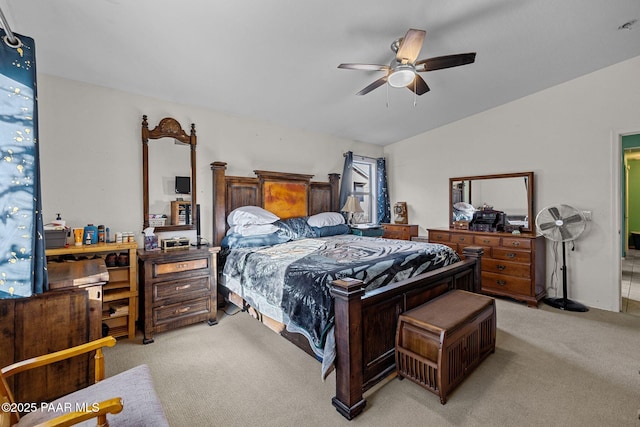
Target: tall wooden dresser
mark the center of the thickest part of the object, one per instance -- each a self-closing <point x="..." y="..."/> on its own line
<point x="178" y="288"/>
<point x="513" y="265"/>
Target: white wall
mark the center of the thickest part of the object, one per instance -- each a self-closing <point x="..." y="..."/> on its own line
<point x="563" y="134"/>
<point x="91" y="151"/>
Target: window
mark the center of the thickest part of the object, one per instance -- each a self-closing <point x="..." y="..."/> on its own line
<point x="364" y="188"/>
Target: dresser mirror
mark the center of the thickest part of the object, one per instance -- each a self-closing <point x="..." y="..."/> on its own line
<point x="168" y="166"/>
<point x="511" y="193"/>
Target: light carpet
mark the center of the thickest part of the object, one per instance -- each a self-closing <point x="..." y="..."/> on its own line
<point x="550" y="368"/>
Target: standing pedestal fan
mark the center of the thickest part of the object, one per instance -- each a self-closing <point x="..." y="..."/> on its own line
<point x="562" y="223"/>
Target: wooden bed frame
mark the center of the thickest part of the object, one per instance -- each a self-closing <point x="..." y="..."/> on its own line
<point x="365" y="323"/>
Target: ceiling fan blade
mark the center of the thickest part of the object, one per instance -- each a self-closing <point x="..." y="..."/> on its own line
<point x="410" y="46"/>
<point x="366" y="67"/>
<point x="372" y="86"/>
<point x="418" y="85"/>
<point x="447" y="61"/>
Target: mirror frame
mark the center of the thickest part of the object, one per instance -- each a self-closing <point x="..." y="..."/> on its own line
<point x="530" y="192"/>
<point x="168" y="128"/>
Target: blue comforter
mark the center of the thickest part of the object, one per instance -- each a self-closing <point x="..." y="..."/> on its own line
<point x="293" y="278"/>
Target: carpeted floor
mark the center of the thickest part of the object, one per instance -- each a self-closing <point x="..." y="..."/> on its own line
<point x="550" y="368"/>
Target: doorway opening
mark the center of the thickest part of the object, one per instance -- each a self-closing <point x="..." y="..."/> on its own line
<point x="630" y="224"/>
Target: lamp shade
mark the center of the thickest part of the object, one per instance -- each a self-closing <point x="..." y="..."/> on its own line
<point x="352" y="205"/>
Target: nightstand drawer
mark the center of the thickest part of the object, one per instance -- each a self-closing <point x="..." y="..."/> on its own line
<point x="183" y="309"/>
<point x="181" y="266"/>
<point x="181" y="288"/>
<point x="399" y="231"/>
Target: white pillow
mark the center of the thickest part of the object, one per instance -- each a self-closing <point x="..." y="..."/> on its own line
<point x="246" y="215"/>
<point x="325" y="219"/>
<point x="252" y="229"/>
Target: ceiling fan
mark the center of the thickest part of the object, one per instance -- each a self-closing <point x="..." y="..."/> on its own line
<point x="402" y="72"/>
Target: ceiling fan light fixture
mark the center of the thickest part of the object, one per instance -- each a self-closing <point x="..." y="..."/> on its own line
<point x="401" y="76"/>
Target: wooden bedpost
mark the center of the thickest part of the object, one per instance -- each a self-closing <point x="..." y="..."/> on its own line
<point x="219" y="201"/>
<point x="475" y="252"/>
<point x="347" y="294"/>
<point x="334" y="181"/>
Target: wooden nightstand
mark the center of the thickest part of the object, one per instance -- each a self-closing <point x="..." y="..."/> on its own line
<point x="399" y="231"/>
<point x="179" y="288"/>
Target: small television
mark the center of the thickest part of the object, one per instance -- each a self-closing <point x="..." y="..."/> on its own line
<point x="183" y="185"/>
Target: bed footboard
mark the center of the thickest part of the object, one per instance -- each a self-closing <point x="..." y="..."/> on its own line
<point x="365" y="324"/>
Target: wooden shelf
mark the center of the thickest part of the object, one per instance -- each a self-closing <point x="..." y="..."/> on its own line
<point x="122" y="285"/>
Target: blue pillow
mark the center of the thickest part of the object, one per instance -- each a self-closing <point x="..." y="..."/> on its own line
<point x="295" y="228"/>
<point x="236" y="240"/>
<point x="331" y="230"/>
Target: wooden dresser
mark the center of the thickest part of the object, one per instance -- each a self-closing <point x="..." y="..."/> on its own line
<point x="513" y="265"/>
<point x="399" y="231"/>
<point x="54" y="320"/>
<point x="178" y="288"/>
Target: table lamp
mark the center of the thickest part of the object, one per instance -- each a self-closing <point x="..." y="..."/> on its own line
<point x="351" y="206"/>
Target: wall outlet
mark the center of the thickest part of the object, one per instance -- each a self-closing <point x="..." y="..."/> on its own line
<point x="587" y="215"/>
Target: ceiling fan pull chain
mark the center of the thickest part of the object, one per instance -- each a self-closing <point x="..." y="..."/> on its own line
<point x="387" y="96"/>
<point x="415" y="94"/>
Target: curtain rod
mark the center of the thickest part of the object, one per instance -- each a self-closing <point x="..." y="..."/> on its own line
<point x="10" y="39"/>
<point x="362" y="157"/>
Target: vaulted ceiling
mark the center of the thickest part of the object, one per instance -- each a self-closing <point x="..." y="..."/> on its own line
<point x="276" y="60"/>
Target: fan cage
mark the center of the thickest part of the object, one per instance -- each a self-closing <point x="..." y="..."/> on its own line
<point x="560" y="223"/>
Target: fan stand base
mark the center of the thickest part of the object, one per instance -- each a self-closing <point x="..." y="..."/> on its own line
<point x="565" y="304"/>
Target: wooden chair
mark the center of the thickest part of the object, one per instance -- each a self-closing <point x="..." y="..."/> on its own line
<point x="107" y="396"/>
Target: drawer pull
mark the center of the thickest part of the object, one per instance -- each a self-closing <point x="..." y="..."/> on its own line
<point x="501" y="267"/>
<point x="501" y="282"/>
<point x="182" y="310"/>
<point x="516" y="243"/>
<point x="183" y="287"/>
<point x="486" y="241"/>
<point x="511" y="255"/>
<point x="182" y="266"/>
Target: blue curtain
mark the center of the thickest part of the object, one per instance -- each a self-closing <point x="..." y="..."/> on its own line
<point x="347" y="178"/>
<point x="384" y="210"/>
<point x="22" y="255"/>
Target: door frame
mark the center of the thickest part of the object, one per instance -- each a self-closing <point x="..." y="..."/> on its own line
<point x="617" y="160"/>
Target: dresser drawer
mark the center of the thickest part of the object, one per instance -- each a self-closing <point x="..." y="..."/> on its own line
<point x="181" y="310"/>
<point x="511" y="255"/>
<point x="506" y="267"/>
<point x="512" y="242"/>
<point x="439" y="236"/>
<point x="180" y="266"/>
<point x="486" y="240"/>
<point x="181" y="288"/>
<point x="462" y="239"/>
<point x="505" y="284"/>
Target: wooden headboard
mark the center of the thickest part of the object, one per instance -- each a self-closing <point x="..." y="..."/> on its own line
<point x="285" y="194"/>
